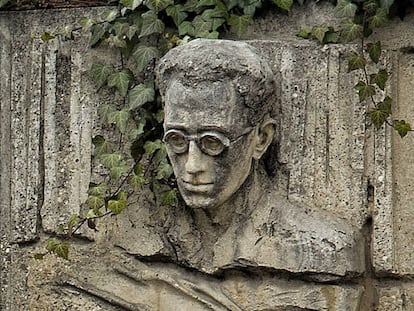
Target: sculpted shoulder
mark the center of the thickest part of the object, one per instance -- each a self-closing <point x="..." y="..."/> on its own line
<point x="286" y="236"/>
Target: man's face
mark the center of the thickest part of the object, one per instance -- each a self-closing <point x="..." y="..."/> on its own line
<point x="208" y="142"/>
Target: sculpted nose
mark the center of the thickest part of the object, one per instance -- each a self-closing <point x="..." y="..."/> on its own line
<point x="194" y="163"/>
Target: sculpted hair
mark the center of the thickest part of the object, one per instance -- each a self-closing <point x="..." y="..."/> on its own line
<point x="202" y="60"/>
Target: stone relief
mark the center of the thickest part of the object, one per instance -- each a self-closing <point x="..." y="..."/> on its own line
<point x="237" y="243"/>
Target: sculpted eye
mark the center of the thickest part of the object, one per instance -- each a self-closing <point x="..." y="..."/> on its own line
<point x="177" y="142"/>
<point x="212" y="144"/>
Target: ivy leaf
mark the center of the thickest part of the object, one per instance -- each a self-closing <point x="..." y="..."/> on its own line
<point x="132" y="30"/>
<point x="169" y="198"/>
<point x="73" y="221"/>
<point x="319" y="32"/>
<point x="374" y="51"/>
<point x="121" y="28"/>
<point x="62" y="250"/>
<point x="379" y="19"/>
<point x="137" y="179"/>
<point x="351" y="31"/>
<point x="284" y="4"/>
<point x="202" y="3"/>
<point x="118" y="171"/>
<point x="97" y="33"/>
<point x="121" y="80"/>
<point x="86" y="23"/>
<point x="109" y="15"/>
<point x="66" y="32"/>
<point x="355" y="61"/>
<point x="111" y="160"/>
<point x="331" y="37"/>
<point x="95" y="201"/>
<point x="377" y="117"/>
<point x="164" y="170"/>
<point x="379" y="78"/>
<point x="239" y="24"/>
<point x="158" y="5"/>
<point x="93" y="213"/>
<point x="47" y="36"/>
<point x="51" y="244"/>
<point x="100" y="73"/>
<point x="370" y="6"/>
<point x="202" y="25"/>
<point x="131" y="4"/>
<point x="186" y="28"/>
<point x="120" y="119"/>
<point x="402" y="127"/>
<point x="151" y="146"/>
<point x="252" y="7"/>
<point x="345" y="8"/>
<point x="177" y="13"/>
<point x="140" y="95"/>
<point x="117" y="206"/>
<point x="143" y="55"/>
<point x="386" y="4"/>
<point x="99" y="189"/>
<point x="139" y="130"/>
<point x="385" y="105"/>
<point x="102" y="146"/>
<point x="304" y="33"/>
<point x="364" y="90"/>
<point x="151" y="24"/>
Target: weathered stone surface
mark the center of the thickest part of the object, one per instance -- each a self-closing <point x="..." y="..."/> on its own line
<point x="395" y="295"/>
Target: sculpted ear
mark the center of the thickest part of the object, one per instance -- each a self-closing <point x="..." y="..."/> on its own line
<point x="264" y="136"/>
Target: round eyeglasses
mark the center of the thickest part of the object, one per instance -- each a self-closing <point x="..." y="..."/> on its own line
<point x="209" y="142"/>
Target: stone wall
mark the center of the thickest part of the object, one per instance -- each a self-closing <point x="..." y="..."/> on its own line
<point x="331" y="158"/>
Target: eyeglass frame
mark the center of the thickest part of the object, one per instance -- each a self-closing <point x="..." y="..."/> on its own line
<point x="226" y="142"/>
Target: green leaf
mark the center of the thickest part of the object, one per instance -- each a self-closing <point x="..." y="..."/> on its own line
<point x="151" y="24"/>
<point x="319" y="32"/>
<point x="51" y="244"/>
<point x="100" y="189"/>
<point x="62" y="250"/>
<point x="402" y="127"/>
<point x="186" y="28"/>
<point x="38" y="256"/>
<point x="101" y="145"/>
<point x="370" y="6"/>
<point x="158" y="5"/>
<point x="120" y="119"/>
<point x="379" y="19"/>
<point x="143" y="55"/>
<point x="132" y="30"/>
<point x="95" y="201"/>
<point x="159" y="116"/>
<point x="151" y="146"/>
<point x="331" y="37"/>
<point x="379" y="78"/>
<point x="251" y="8"/>
<point x="121" y="28"/>
<point x="377" y="117"/>
<point x="386" y="4"/>
<point x="97" y="33"/>
<point x="239" y="24"/>
<point x="304" y="33"/>
<point x="73" y="221"/>
<point x="202" y="25"/>
<point x="355" y="61"/>
<point x="66" y="32"/>
<point x="374" y="51"/>
<point x="109" y="15"/>
<point x="131" y="4"/>
<point x="385" y="105"/>
<point x="351" y="31"/>
<point x="111" y="160"/>
<point x="100" y="73"/>
<point x="345" y="8"/>
<point x="117" y="206"/>
<point x="139" y="130"/>
<point x="86" y="23"/>
<point x="121" y="80"/>
<point x="177" y="13"/>
<point x="140" y="95"/>
<point x="3" y="3"/>
<point x="47" y="36"/>
<point x="92" y="213"/>
<point x="118" y="171"/>
<point x="202" y="3"/>
<point x="169" y="198"/>
<point x="164" y="170"/>
<point x="284" y="4"/>
<point x="364" y="90"/>
<point x="137" y="179"/>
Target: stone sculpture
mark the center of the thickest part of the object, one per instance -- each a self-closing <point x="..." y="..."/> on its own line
<point x="238" y="244"/>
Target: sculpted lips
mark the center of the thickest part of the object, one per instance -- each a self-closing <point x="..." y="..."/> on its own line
<point x="194" y="186"/>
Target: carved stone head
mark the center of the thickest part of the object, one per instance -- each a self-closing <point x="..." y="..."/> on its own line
<point x="218" y="98"/>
